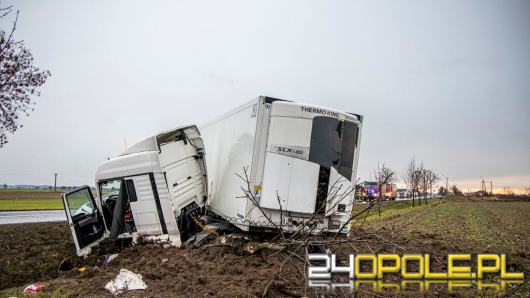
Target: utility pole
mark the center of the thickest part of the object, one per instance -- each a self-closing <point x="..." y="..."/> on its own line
<point x="55" y="183"/>
<point x="446" y="186"/>
<point x="485" y="189"/>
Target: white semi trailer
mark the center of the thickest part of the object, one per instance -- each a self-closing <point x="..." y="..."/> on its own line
<point x="297" y="160"/>
<point x="300" y="159"/>
<point x="154" y="189"/>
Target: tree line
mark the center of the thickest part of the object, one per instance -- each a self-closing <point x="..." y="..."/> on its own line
<point x="419" y="180"/>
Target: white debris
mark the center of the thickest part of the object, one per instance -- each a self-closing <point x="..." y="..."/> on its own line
<point x="125" y="281"/>
<point x="110" y="258"/>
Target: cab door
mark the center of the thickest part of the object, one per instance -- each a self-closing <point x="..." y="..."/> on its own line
<point x="84" y="218"/>
<point x="145" y="206"/>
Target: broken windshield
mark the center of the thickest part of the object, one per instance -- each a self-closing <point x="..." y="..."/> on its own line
<point x="333" y="143"/>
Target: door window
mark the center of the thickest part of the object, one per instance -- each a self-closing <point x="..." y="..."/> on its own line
<point x="131" y="190"/>
<point x="80" y="202"/>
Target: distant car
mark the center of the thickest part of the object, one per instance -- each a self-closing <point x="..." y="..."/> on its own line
<point x="403" y="193"/>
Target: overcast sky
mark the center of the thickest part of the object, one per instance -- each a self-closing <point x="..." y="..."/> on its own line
<point x="447" y="82"/>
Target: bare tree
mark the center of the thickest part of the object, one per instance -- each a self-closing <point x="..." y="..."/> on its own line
<point x="442" y="191"/>
<point x="384" y="176"/>
<point x="427" y="178"/>
<point x="411" y="178"/>
<point x="433" y="180"/>
<point x="295" y="240"/>
<point x="19" y="80"/>
<point x="422" y="182"/>
<point x="456" y="191"/>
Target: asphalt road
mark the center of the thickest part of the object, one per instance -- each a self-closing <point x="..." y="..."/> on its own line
<point x="12" y="217"/>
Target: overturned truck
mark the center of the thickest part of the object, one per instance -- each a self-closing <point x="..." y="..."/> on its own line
<point x="155" y="189"/>
<point x="269" y="164"/>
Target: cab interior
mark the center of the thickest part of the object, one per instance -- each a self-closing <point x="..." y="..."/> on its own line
<point x="116" y="197"/>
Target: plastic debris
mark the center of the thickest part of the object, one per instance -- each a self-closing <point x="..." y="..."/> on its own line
<point x="82" y="269"/>
<point x="110" y="258"/>
<point x="125" y="281"/>
<point x="33" y="288"/>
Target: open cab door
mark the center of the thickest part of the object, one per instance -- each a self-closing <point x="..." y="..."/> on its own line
<point x="85" y="220"/>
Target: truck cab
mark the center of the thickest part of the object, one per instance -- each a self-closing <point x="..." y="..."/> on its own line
<point x="156" y="190"/>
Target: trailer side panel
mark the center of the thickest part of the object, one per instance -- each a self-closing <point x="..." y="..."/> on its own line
<point x="229" y="145"/>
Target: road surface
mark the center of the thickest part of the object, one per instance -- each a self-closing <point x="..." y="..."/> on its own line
<point x="12" y="217"/>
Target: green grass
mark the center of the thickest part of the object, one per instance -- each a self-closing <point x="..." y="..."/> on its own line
<point x="487" y="226"/>
<point x="390" y="209"/>
<point x="465" y="226"/>
<point x="29" y="199"/>
<point x="30" y="204"/>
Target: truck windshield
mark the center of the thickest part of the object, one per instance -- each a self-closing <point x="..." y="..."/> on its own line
<point x="333" y="143"/>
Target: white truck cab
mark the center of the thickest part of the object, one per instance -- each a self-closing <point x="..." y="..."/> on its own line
<point x="155" y="189"/>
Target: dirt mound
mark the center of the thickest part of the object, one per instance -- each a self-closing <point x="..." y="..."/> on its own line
<point x="29" y="194"/>
<point x="213" y="271"/>
<point x="32" y="252"/>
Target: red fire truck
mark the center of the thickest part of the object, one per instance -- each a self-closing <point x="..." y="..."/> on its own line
<point x="370" y="190"/>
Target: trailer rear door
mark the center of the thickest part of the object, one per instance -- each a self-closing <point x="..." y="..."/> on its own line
<point x="308" y="148"/>
<point x="287" y="173"/>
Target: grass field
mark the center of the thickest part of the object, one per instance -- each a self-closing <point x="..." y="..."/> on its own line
<point x="482" y="223"/>
<point x="388" y="209"/>
<point x="466" y="226"/>
<point x="30" y="204"/>
<point x="18" y="199"/>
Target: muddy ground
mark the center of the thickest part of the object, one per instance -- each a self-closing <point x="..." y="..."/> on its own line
<point x="33" y="253"/>
<point x="29" y="194"/>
